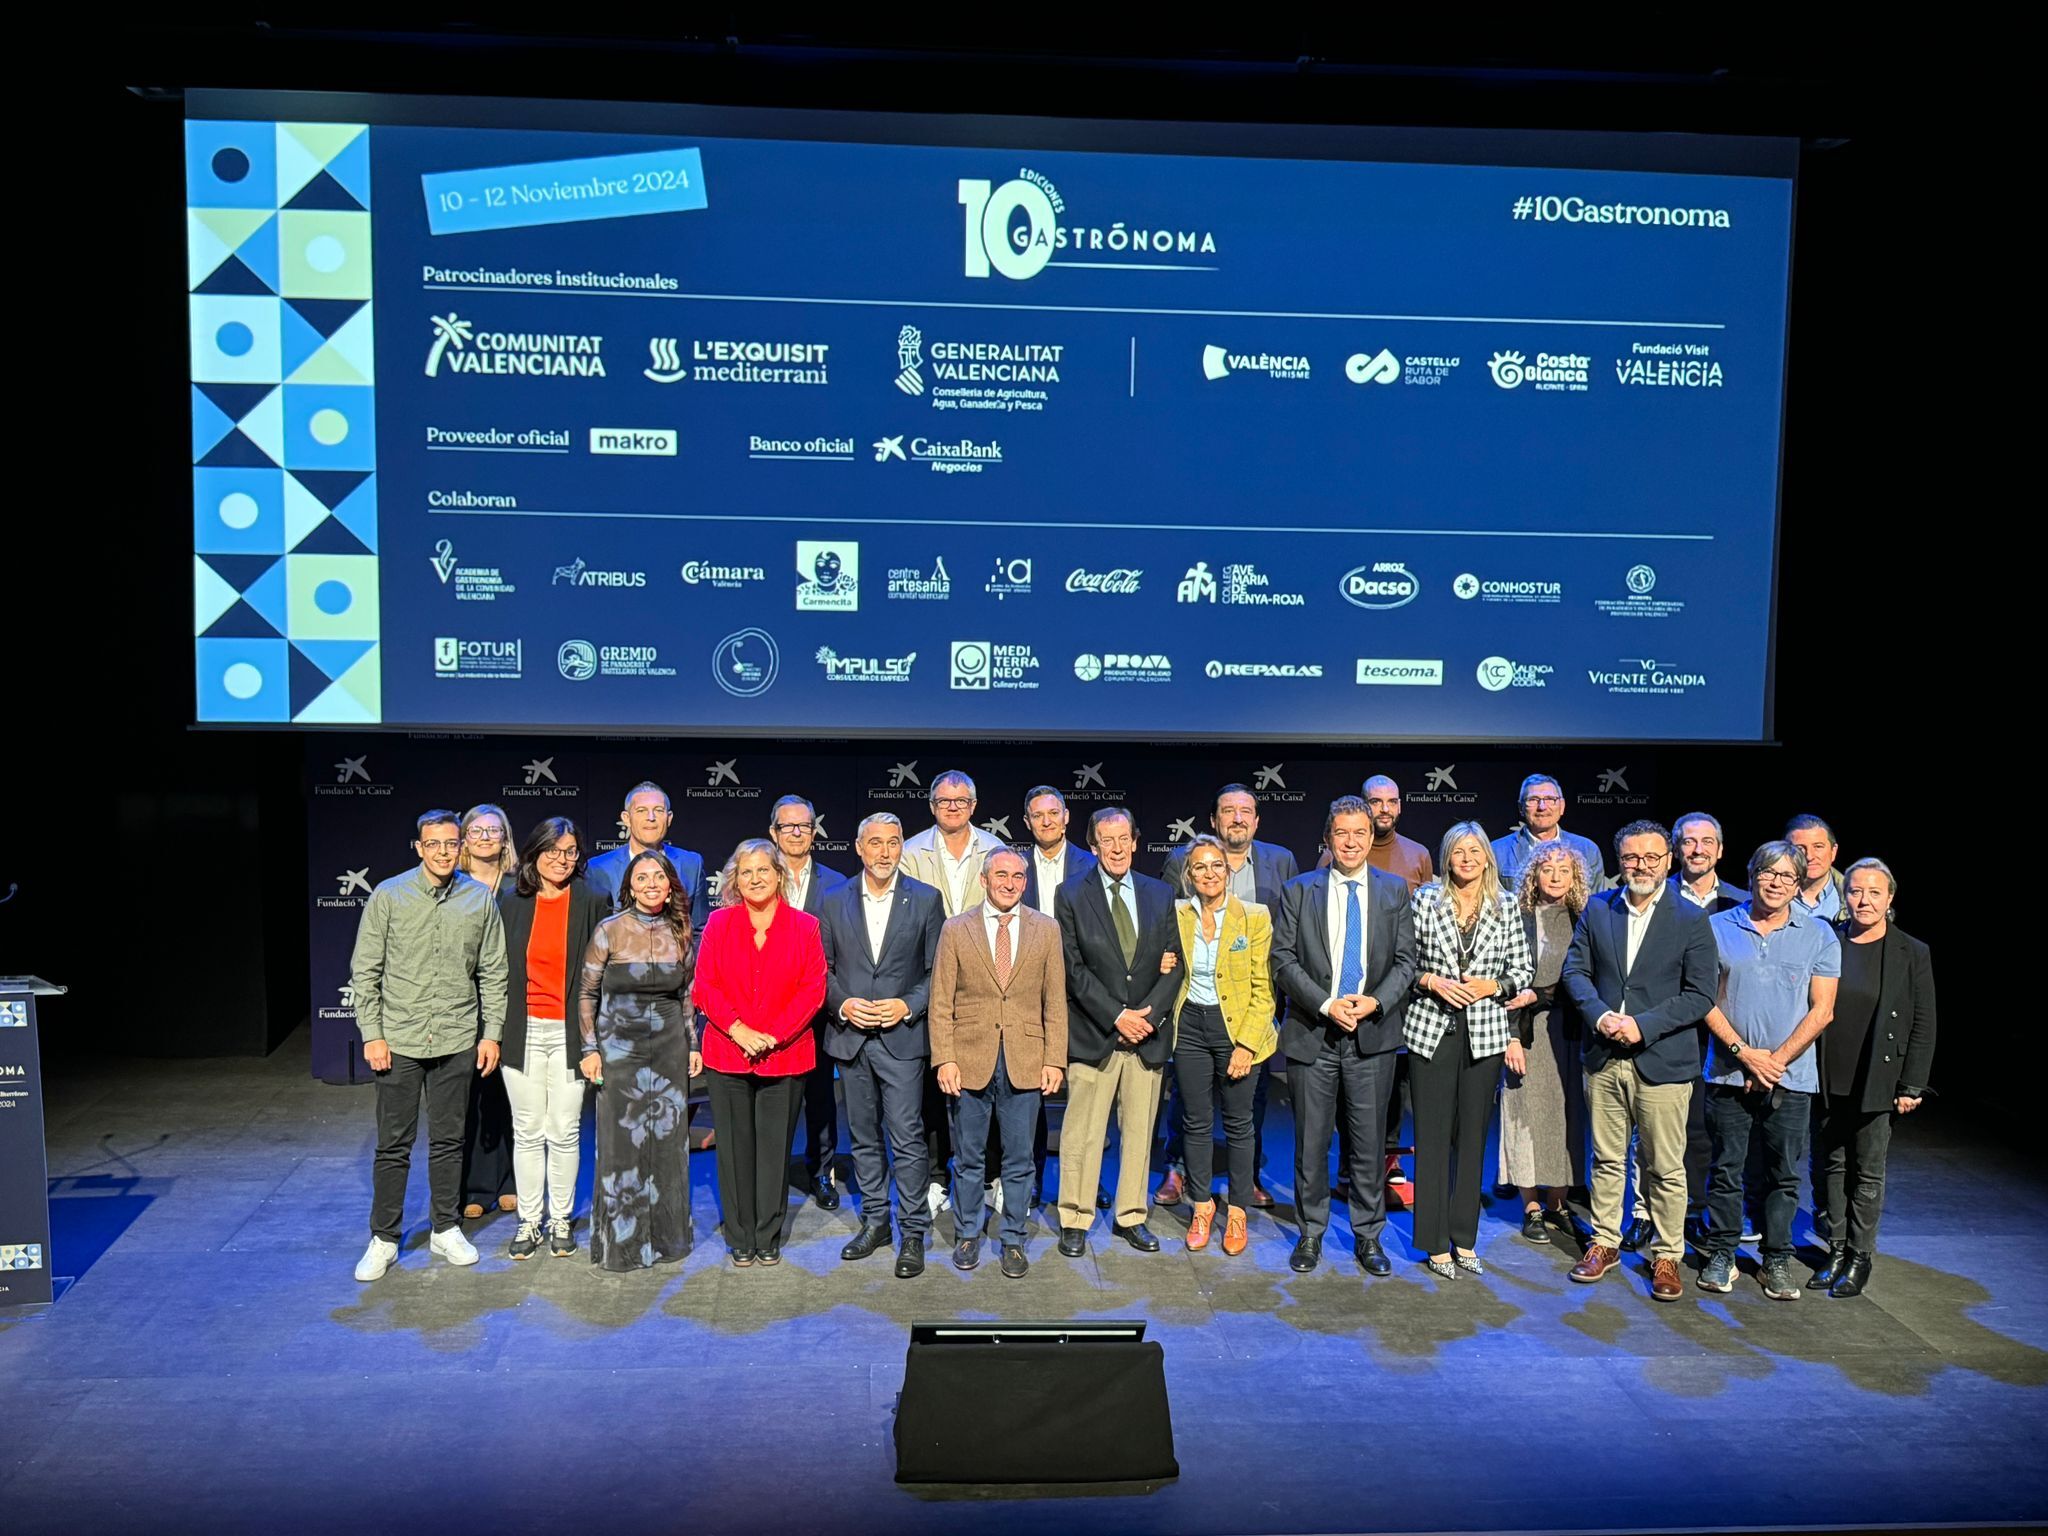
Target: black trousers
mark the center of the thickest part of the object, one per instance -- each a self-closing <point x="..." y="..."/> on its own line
<point x="884" y="1099"/>
<point x="1347" y="1093"/>
<point x="1201" y="1057"/>
<point x="487" y="1141"/>
<point x="1853" y="1146"/>
<point x="756" y="1119"/>
<point x="1173" y="1120"/>
<point x="1453" y="1096"/>
<point x="821" y="1117"/>
<point x="444" y="1080"/>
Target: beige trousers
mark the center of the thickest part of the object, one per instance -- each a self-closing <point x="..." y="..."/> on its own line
<point x="1133" y="1088"/>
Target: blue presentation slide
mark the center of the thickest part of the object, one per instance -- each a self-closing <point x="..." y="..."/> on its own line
<point x="569" y="427"/>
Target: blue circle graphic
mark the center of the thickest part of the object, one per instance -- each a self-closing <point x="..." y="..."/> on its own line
<point x="234" y="339"/>
<point x="333" y="597"/>
<point x="230" y="164"/>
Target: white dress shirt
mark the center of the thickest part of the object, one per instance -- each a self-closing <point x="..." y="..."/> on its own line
<point x="1338" y="910"/>
<point x="1638" y="925"/>
<point x="954" y="870"/>
<point x="1051" y="873"/>
<point x="798" y="887"/>
<point x="876" y="910"/>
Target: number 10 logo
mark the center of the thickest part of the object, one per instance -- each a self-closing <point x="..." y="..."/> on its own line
<point x="991" y="242"/>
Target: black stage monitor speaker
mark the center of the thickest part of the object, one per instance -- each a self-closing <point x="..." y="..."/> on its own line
<point x="1033" y="1402"/>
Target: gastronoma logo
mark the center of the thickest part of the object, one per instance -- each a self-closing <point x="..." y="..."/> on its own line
<point x="1014" y="229"/>
<point x="458" y="347"/>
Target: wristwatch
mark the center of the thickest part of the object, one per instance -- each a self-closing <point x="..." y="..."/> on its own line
<point x="1736" y="1049"/>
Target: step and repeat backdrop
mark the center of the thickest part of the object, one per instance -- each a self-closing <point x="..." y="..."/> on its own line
<point x="580" y="417"/>
<point x="364" y="793"/>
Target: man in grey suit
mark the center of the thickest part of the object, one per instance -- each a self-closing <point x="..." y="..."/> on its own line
<point x="1344" y="952"/>
<point x="881" y="935"/>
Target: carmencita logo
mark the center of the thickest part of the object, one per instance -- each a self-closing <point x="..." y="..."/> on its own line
<point x="457" y="346"/>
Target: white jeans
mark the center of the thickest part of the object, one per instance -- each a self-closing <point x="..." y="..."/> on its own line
<point x="547" y="1115"/>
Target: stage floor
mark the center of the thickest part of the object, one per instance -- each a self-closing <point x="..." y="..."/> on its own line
<point x="215" y="1367"/>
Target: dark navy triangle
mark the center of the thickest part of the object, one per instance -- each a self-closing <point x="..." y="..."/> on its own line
<point x="236" y="400"/>
<point x="331" y="486"/>
<point x="242" y="622"/>
<point x="236" y="451"/>
<point x="231" y="276"/>
<point x="241" y="571"/>
<point x="323" y="191"/>
<point x="308" y="682"/>
<point x="327" y="315"/>
<point x="330" y="538"/>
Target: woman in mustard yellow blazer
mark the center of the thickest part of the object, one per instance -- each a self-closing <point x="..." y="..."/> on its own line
<point x="1223" y="1030"/>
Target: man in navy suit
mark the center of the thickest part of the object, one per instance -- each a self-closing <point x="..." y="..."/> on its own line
<point x="1116" y="927"/>
<point x="1344" y="952"/>
<point x="646" y="818"/>
<point x="1257" y="872"/>
<point x="793" y="823"/>
<point x="1053" y="861"/>
<point x="881" y="935"/>
<point x="1642" y="970"/>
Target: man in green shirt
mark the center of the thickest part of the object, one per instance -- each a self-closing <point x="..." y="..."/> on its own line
<point x="429" y="980"/>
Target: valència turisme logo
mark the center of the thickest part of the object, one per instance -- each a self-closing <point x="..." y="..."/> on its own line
<point x="1014" y="229"/>
<point x="828" y="577"/>
<point x="1221" y="363"/>
<point x="457" y="346"/>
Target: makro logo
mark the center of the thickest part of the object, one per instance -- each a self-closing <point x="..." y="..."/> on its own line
<point x="458" y="347"/>
<point x="705" y="573"/>
<point x="634" y="442"/>
<point x="981" y="666"/>
<point x="745" y="663"/>
<point x="1380" y="367"/>
<point x="828" y="577"/>
<point x="864" y="669"/>
<point x="738" y="362"/>
<point x="1389" y="672"/>
<point x="1643" y="675"/>
<point x="455" y="657"/>
<point x="1497" y="673"/>
<point x="1014" y="229"/>
<point x="1262" y="669"/>
<point x="1550" y="371"/>
<point x="1123" y="667"/>
<point x="579" y="573"/>
<point x="1121" y="582"/>
<point x="1383" y="584"/>
<point x="1218" y="363"/>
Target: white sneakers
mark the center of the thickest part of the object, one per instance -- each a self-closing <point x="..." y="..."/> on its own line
<point x="453" y="1246"/>
<point x="937" y="1198"/>
<point x="376" y="1259"/>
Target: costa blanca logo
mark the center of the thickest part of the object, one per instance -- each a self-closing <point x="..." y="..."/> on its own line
<point x="1644" y="675"/>
<point x="705" y="573"/>
<point x="1010" y="578"/>
<point x="1550" y="371"/>
<point x="457" y="346"/>
<point x="1220" y="363"/>
<point x="909" y="583"/>
<point x="864" y="669"/>
<point x="1123" y="667"/>
<point x="828" y="577"/>
<point x="1497" y="673"/>
<point x="579" y="573"/>
<point x="455" y="657"/>
<point x="745" y="663"/>
<point x="1383" y="584"/>
<point x="1380" y="367"/>
<point x="1014" y="230"/>
<point x="1262" y="669"/>
<point x="576" y="660"/>
<point x="1121" y="582"/>
<point x="980" y="666"/>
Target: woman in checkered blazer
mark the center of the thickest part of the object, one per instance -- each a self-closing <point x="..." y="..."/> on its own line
<point x="1472" y="956"/>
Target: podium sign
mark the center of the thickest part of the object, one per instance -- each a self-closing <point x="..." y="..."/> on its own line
<point x="25" y="1277"/>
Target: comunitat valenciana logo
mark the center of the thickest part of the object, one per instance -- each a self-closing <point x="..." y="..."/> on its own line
<point x="457" y="346"/>
<point x="1014" y="230"/>
<point x="1550" y="371"/>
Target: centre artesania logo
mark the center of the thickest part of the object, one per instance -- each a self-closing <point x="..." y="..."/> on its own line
<point x="458" y="346"/>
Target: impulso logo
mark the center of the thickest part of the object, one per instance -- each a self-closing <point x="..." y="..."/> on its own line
<point x="462" y="659"/>
<point x="1497" y="673"/>
<point x="1221" y="363"/>
<point x="996" y="374"/>
<point x="1551" y="371"/>
<point x="864" y="669"/>
<point x="737" y="362"/>
<point x="1669" y="365"/>
<point x="580" y="573"/>
<point x="1644" y="675"/>
<point x="722" y="781"/>
<point x="352" y="778"/>
<point x="458" y="347"/>
<point x="1639" y="585"/>
<point x="538" y="780"/>
<point x="1014" y="229"/>
<point x="909" y="583"/>
<point x="707" y="573"/>
<point x="1383" y="584"/>
<point x="472" y="583"/>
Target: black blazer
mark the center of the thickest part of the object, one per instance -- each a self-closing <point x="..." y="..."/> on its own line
<point x="823" y="883"/>
<point x="1079" y="862"/>
<point x="910" y="943"/>
<point x="1899" y="1054"/>
<point x="1675" y="979"/>
<point x="1306" y="971"/>
<point x="586" y="910"/>
<point x="1099" y="985"/>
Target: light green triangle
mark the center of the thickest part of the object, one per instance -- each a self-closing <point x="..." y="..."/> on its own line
<point x="296" y="165"/>
<point x="211" y="596"/>
<point x="303" y="512"/>
<point x="356" y="342"/>
<point x="327" y="366"/>
<point x="212" y="234"/>
<point x="364" y="681"/>
<point x="323" y="141"/>
<point x="337" y="705"/>
<point x="264" y="426"/>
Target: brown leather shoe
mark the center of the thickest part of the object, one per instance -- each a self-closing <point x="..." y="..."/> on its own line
<point x="1171" y="1191"/>
<point x="1596" y="1263"/>
<point x="1236" y="1235"/>
<point x="1261" y="1196"/>
<point x="1198" y="1229"/>
<point x="1665" y="1285"/>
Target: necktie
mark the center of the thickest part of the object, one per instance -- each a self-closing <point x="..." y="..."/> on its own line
<point x="1352" y="975"/>
<point x="1126" y="930"/>
<point x="1003" y="948"/>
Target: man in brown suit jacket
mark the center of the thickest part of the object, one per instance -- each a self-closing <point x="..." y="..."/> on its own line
<point x="999" y="1044"/>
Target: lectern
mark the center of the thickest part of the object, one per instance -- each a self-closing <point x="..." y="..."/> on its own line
<point x="24" y="1168"/>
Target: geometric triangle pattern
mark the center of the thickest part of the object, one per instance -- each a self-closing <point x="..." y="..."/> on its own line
<point x="284" y="503"/>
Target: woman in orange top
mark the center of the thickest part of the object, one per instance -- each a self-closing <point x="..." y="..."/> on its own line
<point x="760" y="981"/>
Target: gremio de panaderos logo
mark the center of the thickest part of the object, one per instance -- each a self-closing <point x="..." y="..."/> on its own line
<point x="1014" y="229"/>
<point x="457" y="346"/>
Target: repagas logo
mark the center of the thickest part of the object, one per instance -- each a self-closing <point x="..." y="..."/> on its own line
<point x="458" y="347"/>
<point x="828" y="577"/>
<point x="1014" y="229"/>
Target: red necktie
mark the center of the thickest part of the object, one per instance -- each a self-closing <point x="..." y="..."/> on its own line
<point x="1003" y="948"/>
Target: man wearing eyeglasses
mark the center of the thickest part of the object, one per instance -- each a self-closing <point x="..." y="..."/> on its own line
<point x="1542" y="822"/>
<point x="646" y="818"/>
<point x="429" y="979"/>
<point x="793" y="823"/>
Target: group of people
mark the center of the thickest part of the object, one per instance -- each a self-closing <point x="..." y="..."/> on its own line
<point x="1707" y="1038"/>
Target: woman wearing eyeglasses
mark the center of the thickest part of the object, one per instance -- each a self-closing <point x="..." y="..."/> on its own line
<point x="487" y="1134"/>
<point x="549" y="913"/>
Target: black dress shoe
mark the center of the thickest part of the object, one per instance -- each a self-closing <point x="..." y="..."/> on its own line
<point x="1853" y="1275"/>
<point x="1102" y="1200"/>
<point x="1139" y="1237"/>
<point x="910" y="1258"/>
<point x="772" y="1254"/>
<point x="869" y="1239"/>
<point x="1014" y="1262"/>
<point x="1372" y="1258"/>
<point x="1074" y="1242"/>
<point x="967" y="1253"/>
<point x="1828" y="1273"/>
<point x="824" y="1191"/>
<point x="1533" y="1229"/>
<point x="1637" y="1233"/>
<point x="1307" y="1254"/>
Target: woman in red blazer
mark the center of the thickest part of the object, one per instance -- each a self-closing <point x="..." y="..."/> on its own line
<point x="760" y="982"/>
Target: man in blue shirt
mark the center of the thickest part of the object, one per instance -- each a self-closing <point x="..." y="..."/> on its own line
<point x="1779" y="969"/>
<point x="1820" y="888"/>
<point x="1542" y="815"/>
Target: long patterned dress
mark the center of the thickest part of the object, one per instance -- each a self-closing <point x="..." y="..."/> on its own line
<point x="636" y="977"/>
<point x="1535" y="1108"/>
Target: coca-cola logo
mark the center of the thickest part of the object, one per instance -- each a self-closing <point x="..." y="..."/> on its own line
<point x="1123" y="581"/>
